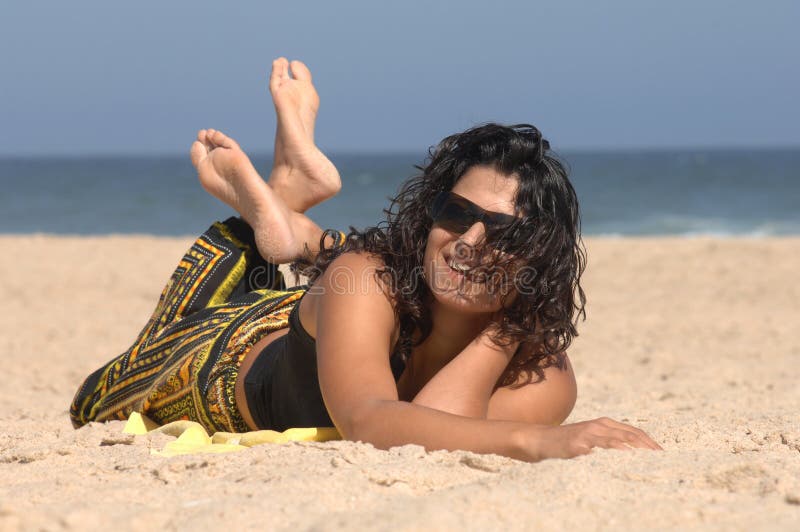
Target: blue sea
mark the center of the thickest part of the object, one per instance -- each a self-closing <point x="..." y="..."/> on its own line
<point x="753" y="192"/>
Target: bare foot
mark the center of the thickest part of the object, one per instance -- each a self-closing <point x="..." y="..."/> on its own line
<point x="226" y="173"/>
<point x="301" y="175"/>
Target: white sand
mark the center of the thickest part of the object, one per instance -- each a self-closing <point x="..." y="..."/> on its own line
<point x="693" y="340"/>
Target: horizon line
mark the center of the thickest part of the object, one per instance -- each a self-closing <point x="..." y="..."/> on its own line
<point x="575" y="150"/>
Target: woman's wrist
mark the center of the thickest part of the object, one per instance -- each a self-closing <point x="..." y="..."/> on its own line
<point x="526" y="439"/>
<point x="488" y="338"/>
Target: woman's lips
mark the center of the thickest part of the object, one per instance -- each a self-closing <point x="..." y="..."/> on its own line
<point x="461" y="275"/>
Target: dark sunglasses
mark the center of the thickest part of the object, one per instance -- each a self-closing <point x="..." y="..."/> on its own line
<point x="457" y="214"/>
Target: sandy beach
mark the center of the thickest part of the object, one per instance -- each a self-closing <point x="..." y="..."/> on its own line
<point x="693" y="340"/>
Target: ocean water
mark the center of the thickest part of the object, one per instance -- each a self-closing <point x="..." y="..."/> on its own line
<point x="687" y="192"/>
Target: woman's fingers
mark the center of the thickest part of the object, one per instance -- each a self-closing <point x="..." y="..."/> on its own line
<point x="615" y="439"/>
<point x="641" y="437"/>
<point x="566" y="441"/>
<point x="615" y="443"/>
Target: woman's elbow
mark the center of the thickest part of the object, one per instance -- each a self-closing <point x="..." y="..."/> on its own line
<point x="565" y="397"/>
<point x="358" y="423"/>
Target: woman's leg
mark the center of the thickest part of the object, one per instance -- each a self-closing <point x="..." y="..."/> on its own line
<point x="302" y="175"/>
<point x="185" y="362"/>
<point x="226" y="173"/>
<point x="220" y="290"/>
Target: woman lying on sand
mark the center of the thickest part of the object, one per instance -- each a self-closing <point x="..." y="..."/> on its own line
<point x="446" y="327"/>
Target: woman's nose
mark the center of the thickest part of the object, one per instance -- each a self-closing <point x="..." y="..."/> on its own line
<point x="472" y="236"/>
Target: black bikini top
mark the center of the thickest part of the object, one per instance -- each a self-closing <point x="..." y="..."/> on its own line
<point x="282" y="385"/>
<point x="303" y="345"/>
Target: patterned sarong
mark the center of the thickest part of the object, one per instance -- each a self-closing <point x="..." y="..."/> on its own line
<point x="221" y="299"/>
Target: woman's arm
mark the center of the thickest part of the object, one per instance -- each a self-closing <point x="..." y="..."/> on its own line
<point x="354" y="326"/>
<point x="548" y="402"/>
<point x="465" y="385"/>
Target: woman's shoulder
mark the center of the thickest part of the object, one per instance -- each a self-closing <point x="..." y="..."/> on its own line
<point x="354" y="274"/>
<point x="360" y="258"/>
<point x="350" y="288"/>
<point x="357" y="273"/>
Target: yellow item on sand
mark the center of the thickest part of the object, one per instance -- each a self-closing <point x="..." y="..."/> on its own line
<point x="193" y="438"/>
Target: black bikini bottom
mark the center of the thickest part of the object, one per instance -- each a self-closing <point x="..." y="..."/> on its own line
<point x="258" y="383"/>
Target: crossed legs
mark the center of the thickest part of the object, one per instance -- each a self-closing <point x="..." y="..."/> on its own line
<point x="301" y="177"/>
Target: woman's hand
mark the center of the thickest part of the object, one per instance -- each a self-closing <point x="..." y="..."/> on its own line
<point x="465" y="384"/>
<point x="568" y="441"/>
<point x="488" y="334"/>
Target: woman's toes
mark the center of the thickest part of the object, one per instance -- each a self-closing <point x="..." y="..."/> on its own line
<point x="217" y="137"/>
<point x="280" y="72"/>
<point x="197" y="152"/>
<point x="283" y="68"/>
<point x="210" y="139"/>
<point x="300" y="71"/>
<point x="223" y="140"/>
<point x="275" y="76"/>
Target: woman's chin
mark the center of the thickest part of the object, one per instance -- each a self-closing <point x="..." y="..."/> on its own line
<point x="463" y="301"/>
<point x="456" y="291"/>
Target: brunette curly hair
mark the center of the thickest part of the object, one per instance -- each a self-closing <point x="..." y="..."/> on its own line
<point x="545" y="244"/>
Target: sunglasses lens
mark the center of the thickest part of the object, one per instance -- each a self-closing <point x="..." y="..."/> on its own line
<point x="450" y="215"/>
<point x="456" y="214"/>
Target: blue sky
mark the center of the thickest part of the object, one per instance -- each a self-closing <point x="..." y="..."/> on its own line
<point x="104" y="77"/>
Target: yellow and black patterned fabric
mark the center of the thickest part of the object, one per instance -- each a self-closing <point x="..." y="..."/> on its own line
<point x="221" y="299"/>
